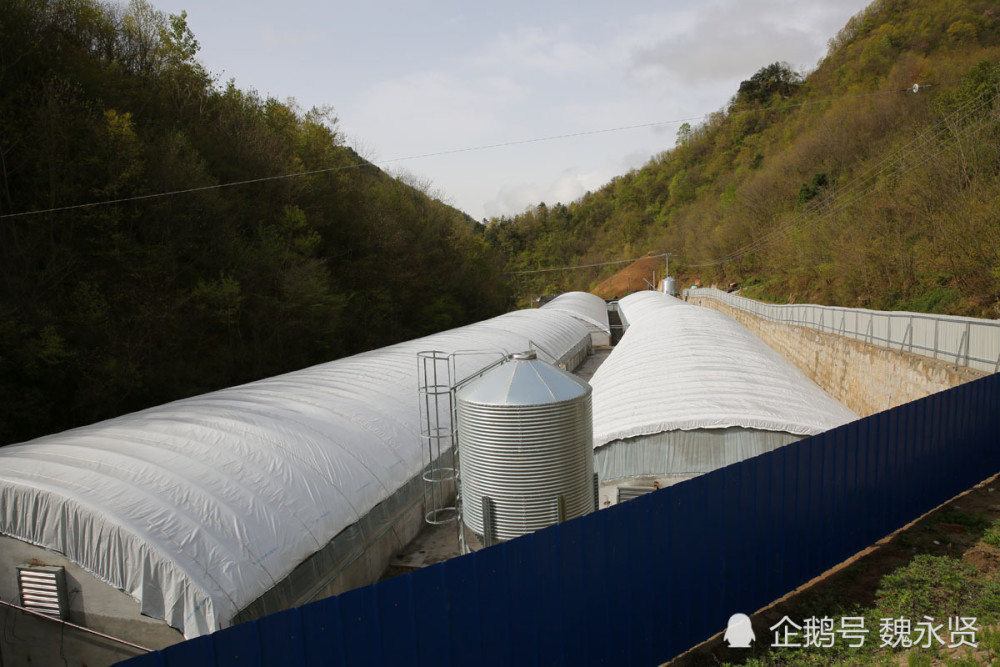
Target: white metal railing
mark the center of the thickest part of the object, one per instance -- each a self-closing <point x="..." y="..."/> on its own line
<point x="966" y="341"/>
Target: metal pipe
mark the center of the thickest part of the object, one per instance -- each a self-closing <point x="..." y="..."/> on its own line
<point x="75" y="626"/>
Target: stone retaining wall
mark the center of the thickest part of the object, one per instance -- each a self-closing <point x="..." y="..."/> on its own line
<point x="866" y="378"/>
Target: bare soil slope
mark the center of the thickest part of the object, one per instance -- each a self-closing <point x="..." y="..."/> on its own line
<point x="630" y="279"/>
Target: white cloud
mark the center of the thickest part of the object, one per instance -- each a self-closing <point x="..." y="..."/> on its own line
<point x="570" y="185"/>
<point x="694" y="60"/>
<point x="548" y="51"/>
<point x="635" y="160"/>
<point x="282" y="39"/>
<point x="430" y="112"/>
<point x="733" y="39"/>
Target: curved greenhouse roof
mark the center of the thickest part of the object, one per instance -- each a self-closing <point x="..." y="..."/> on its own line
<point x="681" y="367"/>
<point x="637" y="305"/>
<point x="197" y="507"/>
<point x="585" y="306"/>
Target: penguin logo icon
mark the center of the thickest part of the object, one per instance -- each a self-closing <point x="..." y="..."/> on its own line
<point x="739" y="632"/>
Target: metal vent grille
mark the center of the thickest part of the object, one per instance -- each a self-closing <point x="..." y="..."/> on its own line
<point x="43" y="590"/>
<point x="630" y="492"/>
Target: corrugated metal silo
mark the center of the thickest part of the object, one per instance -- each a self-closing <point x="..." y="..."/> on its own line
<point x="525" y="439"/>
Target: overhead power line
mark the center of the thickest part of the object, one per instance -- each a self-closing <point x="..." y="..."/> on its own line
<point x="485" y="147"/>
<point x="585" y="266"/>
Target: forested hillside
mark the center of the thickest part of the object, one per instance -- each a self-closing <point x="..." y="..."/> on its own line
<point x="842" y="187"/>
<point x="110" y="308"/>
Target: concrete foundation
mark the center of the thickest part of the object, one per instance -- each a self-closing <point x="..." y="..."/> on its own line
<point x="29" y="641"/>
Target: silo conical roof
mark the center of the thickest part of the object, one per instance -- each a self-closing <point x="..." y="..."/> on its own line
<point x="524" y="381"/>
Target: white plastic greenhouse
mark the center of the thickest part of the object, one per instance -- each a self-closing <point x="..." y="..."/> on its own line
<point x="589" y="309"/>
<point x="234" y="504"/>
<point x="688" y="390"/>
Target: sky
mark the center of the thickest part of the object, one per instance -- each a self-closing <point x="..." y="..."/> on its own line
<point x="466" y="97"/>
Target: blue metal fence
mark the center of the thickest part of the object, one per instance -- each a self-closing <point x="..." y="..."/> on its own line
<point x="641" y="582"/>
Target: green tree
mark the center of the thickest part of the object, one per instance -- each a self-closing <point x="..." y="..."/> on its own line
<point x="776" y="79"/>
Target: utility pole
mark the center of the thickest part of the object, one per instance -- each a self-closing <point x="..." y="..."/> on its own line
<point x="667" y="255"/>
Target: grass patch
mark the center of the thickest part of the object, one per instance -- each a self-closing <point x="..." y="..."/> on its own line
<point x="992" y="535"/>
<point x="938" y="587"/>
